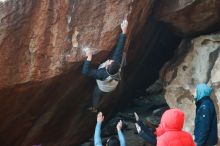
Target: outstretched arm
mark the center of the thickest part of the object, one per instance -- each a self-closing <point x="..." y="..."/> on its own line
<point x="120" y="134"/>
<point x="88" y="71"/>
<point x="117" y="55"/>
<point x="145" y="133"/>
<point x="148" y="137"/>
<point x="97" y="136"/>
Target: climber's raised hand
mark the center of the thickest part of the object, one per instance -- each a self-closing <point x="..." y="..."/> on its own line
<point x="124" y="26"/>
<point x="88" y="53"/>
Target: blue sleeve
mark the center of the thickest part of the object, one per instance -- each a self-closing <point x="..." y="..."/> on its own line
<point x="202" y="125"/>
<point x="121" y="138"/>
<point x="97" y="136"/>
<point x="88" y="71"/>
<point x="118" y="52"/>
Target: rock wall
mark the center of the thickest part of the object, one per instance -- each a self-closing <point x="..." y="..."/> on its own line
<point x="190" y="17"/>
<point x="46" y="35"/>
<point x="196" y="61"/>
<point x="42" y="92"/>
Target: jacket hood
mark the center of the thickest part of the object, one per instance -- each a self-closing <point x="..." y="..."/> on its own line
<point x="202" y="90"/>
<point x="116" y="76"/>
<point x="172" y="120"/>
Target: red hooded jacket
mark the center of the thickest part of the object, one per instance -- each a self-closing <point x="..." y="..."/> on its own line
<point x="169" y="132"/>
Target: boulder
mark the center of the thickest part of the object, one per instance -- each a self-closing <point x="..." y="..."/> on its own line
<point x="197" y="60"/>
<point x="42" y="92"/>
<point x="190" y="17"/>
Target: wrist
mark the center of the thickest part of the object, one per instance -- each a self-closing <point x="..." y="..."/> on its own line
<point x="89" y="58"/>
<point x="99" y="122"/>
<point x="124" y="32"/>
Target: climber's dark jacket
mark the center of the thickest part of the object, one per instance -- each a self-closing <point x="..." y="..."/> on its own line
<point x="101" y="74"/>
<point x="205" y="122"/>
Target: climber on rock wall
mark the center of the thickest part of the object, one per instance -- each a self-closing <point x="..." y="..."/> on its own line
<point x="108" y="73"/>
<point x="169" y="132"/>
<point x="112" y="141"/>
<point x="205" y="121"/>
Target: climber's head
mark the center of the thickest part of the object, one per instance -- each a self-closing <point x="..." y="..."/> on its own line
<point x="112" y="67"/>
<point x="113" y="141"/>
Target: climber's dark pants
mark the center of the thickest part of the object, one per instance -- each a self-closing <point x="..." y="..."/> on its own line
<point x="147" y="134"/>
<point x="97" y="94"/>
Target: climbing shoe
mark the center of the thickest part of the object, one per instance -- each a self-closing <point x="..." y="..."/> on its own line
<point x="93" y="109"/>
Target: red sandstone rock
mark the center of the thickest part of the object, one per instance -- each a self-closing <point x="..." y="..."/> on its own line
<point x="190" y="17"/>
<point x="42" y="91"/>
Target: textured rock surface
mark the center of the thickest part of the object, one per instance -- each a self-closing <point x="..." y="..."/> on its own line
<point x="41" y="46"/>
<point x="42" y="91"/>
<point x="190" y="17"/>
<point x="196" y="61"/>
<point x="45" y="35"/>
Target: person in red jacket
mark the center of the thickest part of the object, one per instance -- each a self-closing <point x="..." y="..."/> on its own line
<point x="169" y="131"/>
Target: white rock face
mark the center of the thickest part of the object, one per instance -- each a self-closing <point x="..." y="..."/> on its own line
<point x="196" y="61"/>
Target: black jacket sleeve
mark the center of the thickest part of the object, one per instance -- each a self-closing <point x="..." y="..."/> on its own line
<point x="99" y="74"/>
<point x="147" y="134"/>
<point x="148" y="138"/>
<point x="118" y="52"/>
